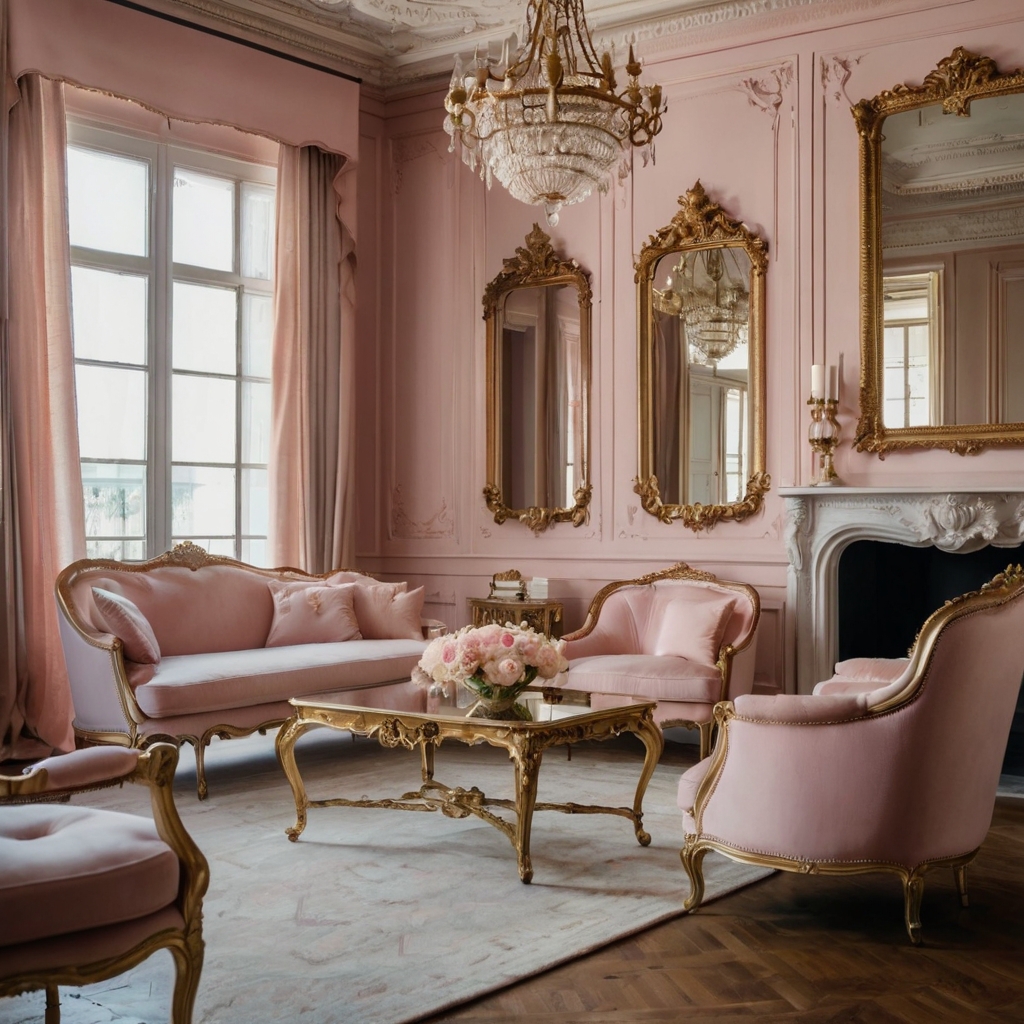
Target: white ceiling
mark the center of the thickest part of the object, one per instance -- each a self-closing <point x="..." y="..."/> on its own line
<point x="399" y="42"/>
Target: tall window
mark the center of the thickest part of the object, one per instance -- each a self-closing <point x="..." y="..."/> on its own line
<point x="172" y="254"/>
<point x="911" y="345"/>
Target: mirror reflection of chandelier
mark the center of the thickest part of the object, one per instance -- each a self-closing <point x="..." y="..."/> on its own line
<point x="548" y="122"/>
<point x="713" y="304"/>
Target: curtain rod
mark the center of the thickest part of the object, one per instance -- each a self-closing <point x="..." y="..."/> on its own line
<point x="233" y="39"/>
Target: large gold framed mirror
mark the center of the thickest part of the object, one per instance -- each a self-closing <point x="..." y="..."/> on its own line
<point x="702" y="390"/>
<point x="537" y="312"/>
<point x="942" y="260"/>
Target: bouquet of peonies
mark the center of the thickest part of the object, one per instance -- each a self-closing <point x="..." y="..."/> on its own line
<point x="494" y="661"/>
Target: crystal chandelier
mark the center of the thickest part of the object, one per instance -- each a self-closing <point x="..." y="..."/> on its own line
<point x="714" y="307"/>
<point x="548" y="123"/>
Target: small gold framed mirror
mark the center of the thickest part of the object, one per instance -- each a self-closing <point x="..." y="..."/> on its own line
<point x="537" y="312"/>
<point x="700" y="284"/>
<point x="942" y="260"/>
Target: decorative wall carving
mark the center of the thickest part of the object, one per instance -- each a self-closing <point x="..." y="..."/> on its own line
<point x="822" y="523"/>
<point x="767" y="92"/>
<point x="439" y="526"/>
<point x="835" y="73"/>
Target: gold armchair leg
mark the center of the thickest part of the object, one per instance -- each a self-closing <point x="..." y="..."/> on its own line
<point x="960" y="874"/>
<point x="913" y="890"/>
<point x="52" y="1005"/>
<point x="693" y="861"/>
<point x="188" y="963"/>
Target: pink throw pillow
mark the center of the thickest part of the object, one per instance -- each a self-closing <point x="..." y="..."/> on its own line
<point x="386" y="613"/>
<point x="123" y="618"/>
<point x="693" y="628"/>
<point x="305" y="614"/>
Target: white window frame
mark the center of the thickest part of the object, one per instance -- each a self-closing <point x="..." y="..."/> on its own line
<point x="161" y="272"/>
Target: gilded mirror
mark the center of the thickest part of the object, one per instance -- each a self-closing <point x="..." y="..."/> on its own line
<point x="942" y="260"/>
<point x="537" y="312"/>
<point x="702" y="418"/>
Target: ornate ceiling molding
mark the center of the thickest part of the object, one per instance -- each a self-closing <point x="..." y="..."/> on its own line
<point x="398" y="43"/>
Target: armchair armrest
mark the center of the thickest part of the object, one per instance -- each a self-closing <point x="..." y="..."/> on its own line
<point x="90" y="768"/>
<point x="796" y="708"/>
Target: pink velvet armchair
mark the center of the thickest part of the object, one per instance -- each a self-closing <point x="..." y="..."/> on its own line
<point x="85" y="893"/>
<point x="870" y="779"/>
<point x="680" y="636"/>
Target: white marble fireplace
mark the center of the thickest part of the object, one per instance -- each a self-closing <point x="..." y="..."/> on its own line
<point x="822" y="521"/>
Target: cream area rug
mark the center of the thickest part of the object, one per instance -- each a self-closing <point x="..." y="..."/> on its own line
<point x="386" y="916"/>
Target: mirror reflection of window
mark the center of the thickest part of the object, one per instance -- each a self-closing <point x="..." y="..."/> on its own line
<point x="701" y="367"/>
<point x="540" y="369"/>
<point x="912" y="348"/>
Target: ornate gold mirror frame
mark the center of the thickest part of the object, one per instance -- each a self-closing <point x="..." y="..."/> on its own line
<point x="536" y="265"/>
<point x="702" y="225"/>
<point x="957" y="80"/>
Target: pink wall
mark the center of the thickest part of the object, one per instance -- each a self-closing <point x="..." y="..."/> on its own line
<point x="765" y="124"/>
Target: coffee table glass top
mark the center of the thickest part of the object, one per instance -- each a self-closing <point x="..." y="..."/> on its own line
<point x="546" y="703"/>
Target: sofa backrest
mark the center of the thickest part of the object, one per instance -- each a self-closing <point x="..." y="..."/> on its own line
<point x="216" y="605"/>
<point x="651" y="617"/>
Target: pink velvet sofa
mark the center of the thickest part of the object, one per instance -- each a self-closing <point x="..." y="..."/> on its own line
<point x="189" y="646"/>
<point x="86" y="894"/>
<point x="899" y="776"/>
<point x="680" y="636"/>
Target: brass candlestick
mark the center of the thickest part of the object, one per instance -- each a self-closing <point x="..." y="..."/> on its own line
<point x="824" y="436"/>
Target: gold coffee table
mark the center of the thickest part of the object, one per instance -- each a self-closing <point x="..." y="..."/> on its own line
<point x="561" y="717"/>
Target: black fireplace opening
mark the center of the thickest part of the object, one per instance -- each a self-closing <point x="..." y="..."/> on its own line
<point x="887" y="590"/>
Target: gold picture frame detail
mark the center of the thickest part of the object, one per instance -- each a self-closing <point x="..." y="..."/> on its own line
<point x="958" y="79"/>
<point x="699" y="224"/>
<point x="535" y="265"/>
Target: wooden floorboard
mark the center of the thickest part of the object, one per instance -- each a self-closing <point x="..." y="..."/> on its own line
<point x="813" y="949"/>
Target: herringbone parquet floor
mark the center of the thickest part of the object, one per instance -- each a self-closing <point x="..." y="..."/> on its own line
<point x="810" y="949"/>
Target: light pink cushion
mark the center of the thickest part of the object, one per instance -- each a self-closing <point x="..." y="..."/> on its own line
<point x="67" y="868"/>
<point x="311" y="615"/>
<point x="123" y="618"/>
<point x="199" y="683"/>
<point x="692" y="625"/>
<point x="386" y="613"/>
<point x="880" y="670"/>
<point x="647" y="675"/>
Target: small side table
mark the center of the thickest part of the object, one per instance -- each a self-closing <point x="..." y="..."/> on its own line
<point x="543" y="616"/>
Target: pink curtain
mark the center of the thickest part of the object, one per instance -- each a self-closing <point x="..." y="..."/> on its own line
<point x="48" y="528"/>
<point x="312" y="443"/>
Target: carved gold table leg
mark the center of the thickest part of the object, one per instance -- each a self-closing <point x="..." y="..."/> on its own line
<point x="653" y="740"/>
<point x="427" y="760"/>
<point x="527" y="761"/>
<point x="285" y="744"/>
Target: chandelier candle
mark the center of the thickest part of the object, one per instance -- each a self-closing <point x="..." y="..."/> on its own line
<point x="547" y="121"/>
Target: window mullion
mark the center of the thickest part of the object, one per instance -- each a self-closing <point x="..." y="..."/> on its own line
<point x="160" y="421"/>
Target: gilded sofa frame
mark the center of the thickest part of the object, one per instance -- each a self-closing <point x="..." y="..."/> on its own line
<point x="958" y="79"/>
<point x="1005" y="587"/>
<point x="155" y="769"/>
<point x="726" y="654"/>
<point x="190" y="556"/>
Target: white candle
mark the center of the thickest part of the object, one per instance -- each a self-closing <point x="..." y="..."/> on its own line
<point x="817" y="380"/>
<point x="833" y="382"/>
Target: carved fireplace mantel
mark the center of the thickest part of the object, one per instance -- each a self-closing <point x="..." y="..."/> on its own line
<point x="821" y="522"/>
